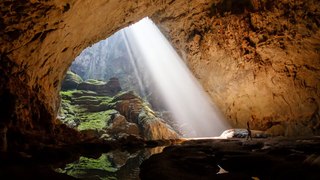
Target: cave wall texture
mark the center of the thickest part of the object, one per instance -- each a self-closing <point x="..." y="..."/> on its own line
<point x="258" y="60"/>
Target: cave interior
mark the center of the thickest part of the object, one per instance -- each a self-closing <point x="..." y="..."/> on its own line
<point x="257" y="61"/>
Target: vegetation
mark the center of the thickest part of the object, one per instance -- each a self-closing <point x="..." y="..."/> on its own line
<point x="95" y="82"/>
<point x="73" y="77"/>
<point x="71" y="81"/>
<point x="84" y="167"/>
<point x="85" y="109"/>
<point x="95" y="120"/>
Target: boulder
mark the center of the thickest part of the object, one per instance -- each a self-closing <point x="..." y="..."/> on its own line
<point x="71" y="81"/>
<point x="135" y="110"/>
<point x="243" y="133"/>
<point x="121" y="125"/>
<point x="111" y="88"/>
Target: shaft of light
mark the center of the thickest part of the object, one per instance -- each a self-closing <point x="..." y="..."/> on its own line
<point x="181" y="92"/>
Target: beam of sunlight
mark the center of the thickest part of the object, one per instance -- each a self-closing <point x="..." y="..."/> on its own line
<point x="181" y="92"/>
<point x="133" y="63"/>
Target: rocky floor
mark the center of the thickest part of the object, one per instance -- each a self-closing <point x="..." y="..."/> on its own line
<point x="267" y="158"/>
<point x="237" y="158"/>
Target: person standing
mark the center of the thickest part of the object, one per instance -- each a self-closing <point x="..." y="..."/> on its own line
<point x="249" y="131"/>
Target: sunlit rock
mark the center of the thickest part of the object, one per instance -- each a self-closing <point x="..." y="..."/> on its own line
<point x="256" y="59"/>
<point x="243" y="133"/>
<point x="119" y="125"/>
<point x="110" y="88"/>
<point x="137" y="111"/>
<point x="71" y="81"/>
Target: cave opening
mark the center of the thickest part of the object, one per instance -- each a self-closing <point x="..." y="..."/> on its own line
<point x="133" y="84"/>
<point x="257" y="59"/>
<point x="137" y="61"/>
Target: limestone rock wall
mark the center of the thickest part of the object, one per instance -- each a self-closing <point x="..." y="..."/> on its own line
<point x="258" y="59"/>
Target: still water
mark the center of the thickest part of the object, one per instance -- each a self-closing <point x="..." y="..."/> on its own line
<point x="115" y="165"/>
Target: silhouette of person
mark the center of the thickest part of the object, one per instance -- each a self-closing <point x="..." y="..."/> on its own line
<point x="249" y="131"/>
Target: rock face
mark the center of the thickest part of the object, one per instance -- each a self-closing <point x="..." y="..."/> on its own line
<point x="111" y="88"/>
<point x="258" y="60"/>
<point x="136" y="111"/>
<point x="121" y="125"/>
<point x="107" y="59"/>
<point x="93" y="110"/>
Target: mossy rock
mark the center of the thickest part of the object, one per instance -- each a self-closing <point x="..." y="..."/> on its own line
<point x="126" y="95"/>
<point x="95" y="82"/>
<point x="80" y="93"/>
<point x="95" y="120"/>
<point x="71" y="81"/>
<point x="84" y="167"/>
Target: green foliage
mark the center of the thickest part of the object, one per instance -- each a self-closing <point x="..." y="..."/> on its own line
<point x="95" y="82"/>
<point x="73" y="77"/>
<point x="84" y="167"/>
<point x="106" y="101"/>
<point x="67" y="94"/>
<point x="67" y="111"/>
<point x="95" y="120"/>
<point x="74" y="94"/>
<point x="74" y="109"/>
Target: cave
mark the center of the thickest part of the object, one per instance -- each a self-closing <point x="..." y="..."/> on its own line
<point x="258" y="61"/>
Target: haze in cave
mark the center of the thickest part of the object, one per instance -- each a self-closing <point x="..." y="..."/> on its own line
<point x="149" y="54"/>
<point x="113" y="113"/>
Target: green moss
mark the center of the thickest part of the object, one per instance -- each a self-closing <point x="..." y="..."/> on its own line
<point x="66" y="94"/>
<point x="87" y="97"/>
<point x="95" y="82"/>
<point x="95" y="98"/>
<point x="71" y="81"/>
<point x="80" y="93"/>
<point x="78" y="108"/>
<point x="85" y="166"/>
<point x="95" y="120"/>
<point x="71" y="94"/>
<point x="73" y="77"/>
<point x="105" y="100"/>
<point x="67" y="111"/>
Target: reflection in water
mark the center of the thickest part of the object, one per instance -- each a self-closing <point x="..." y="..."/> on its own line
<point x="221" y="170"/>
<point x="115" y="164"/>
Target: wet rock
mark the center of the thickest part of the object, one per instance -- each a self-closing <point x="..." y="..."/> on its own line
<point x="237" y="159"/>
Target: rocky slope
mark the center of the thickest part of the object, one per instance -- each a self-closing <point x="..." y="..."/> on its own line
<point x="99" y="110"/>
<point x="258" y="59"/>
<point x="115" y="57"/>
